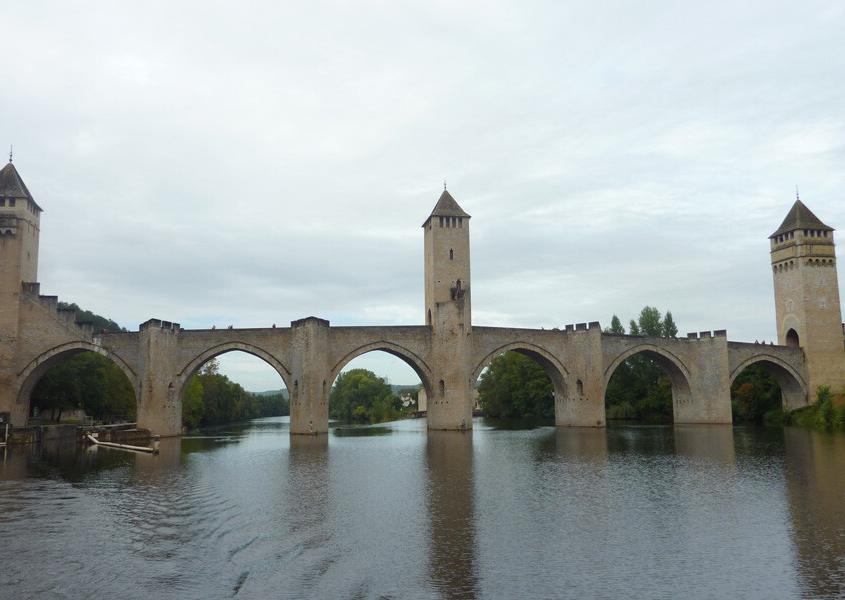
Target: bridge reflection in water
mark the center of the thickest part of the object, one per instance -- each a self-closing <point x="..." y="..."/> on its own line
<point x="450" y="496"/>
<point x="253" y="512"/>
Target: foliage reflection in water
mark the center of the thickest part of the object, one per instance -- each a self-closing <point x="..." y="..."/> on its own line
<point x="250" y="512"/>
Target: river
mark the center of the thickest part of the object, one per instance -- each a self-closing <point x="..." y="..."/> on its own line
<point x="393" y="511"/>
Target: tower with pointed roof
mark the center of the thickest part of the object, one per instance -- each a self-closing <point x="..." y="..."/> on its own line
<point x="20" y="218"/>
<point x="448" y="311"/>
<point x="807" y="295"/>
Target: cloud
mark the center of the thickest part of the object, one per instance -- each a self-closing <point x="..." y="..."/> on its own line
<point x="250" y="167"/>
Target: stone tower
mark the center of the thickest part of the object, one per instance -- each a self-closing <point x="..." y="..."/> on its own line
<point x="448" y="311"/>
<point x="20" y="218"/>
<point x="807" y="296"/>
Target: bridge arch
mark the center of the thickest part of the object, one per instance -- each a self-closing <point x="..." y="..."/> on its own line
<point x="793" y="388"/>
<point x="193" y="365"/>
<point x="409" y="357"/>
<point x="555" y="370"/>
<point x="669" y="363"/>
<point x="29" y="376"/>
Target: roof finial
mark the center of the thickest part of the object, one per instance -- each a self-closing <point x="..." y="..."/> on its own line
<point x="797" y="197"/>
<point x="11" y="152"/>
<point x="444" y="185"/>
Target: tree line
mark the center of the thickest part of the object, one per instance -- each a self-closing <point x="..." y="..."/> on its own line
<point x="361" y="396"/>
<point x="211" y="398"/>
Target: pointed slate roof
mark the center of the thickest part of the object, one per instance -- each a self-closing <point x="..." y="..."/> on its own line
<point x="447" y="207"/>
<point x="800" y="217"/>
<point x="12" y="186"/>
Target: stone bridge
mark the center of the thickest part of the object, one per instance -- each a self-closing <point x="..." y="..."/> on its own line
<point x="159" y="359"/>
<point x="448" y="353"/>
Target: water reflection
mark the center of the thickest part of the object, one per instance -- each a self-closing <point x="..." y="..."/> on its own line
<point x="814" y="467"/>
<point x="452" y="566"/>
<point x="665" y="511"/>
<point x="706" y="442"/>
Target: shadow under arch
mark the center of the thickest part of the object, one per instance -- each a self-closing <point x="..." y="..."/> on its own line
<point x="673" y="366"/>
<point x="556" y="372"/>
<point x="419" y="366"/>
<point x="185" y="373"/>
<point x="793" y="389"/>
<point x="32" y="373"/>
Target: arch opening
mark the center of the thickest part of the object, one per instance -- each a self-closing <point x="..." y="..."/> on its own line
<point x="646" y="384"/>
<point x="792" y="338"/>
<point x="230" y="385"/>
<point x="763" y="388"/>
<point x="78" y="383"/>
<point x="520" y="381"/>
<point x="378" y="383"/>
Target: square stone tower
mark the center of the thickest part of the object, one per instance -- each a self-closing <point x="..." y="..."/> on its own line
<point x="20" y="223"/>
<point x="448" y="311"/>
<point x="807" y="296"/>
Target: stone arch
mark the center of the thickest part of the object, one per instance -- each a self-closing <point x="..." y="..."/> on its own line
<point x="793" y="388"/>
<point x="792" y="338"/>
<point x="185" y="373"/>
<point x="556" y="371"/>
<point x="670" y="363"/>
<point x="37" y="367"/>
<point x="409" y="357"/>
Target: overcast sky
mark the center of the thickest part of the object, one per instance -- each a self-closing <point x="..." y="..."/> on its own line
<point x="253" y="163"/>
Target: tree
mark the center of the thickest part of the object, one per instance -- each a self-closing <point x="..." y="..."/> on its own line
<point x="616" y="326"/>
<point x="211" y="398"/>
<point x="650" y="322"/>
<point x="359" y="395"/>
<point x="89" y="382"/>
<point x="639" y="388"/>
<point x="670" y="330"/>
<point x="754" y="394"/>
<point x="212" y="367"/>
<point x="516" y="386"/>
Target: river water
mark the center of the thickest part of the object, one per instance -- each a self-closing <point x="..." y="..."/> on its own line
<point x="395" y="512"/>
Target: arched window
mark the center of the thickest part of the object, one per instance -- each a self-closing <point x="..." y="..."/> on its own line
<point x="451" y="254"/>
<point x="580" y="385"/>
<point x="442" y="388"/>
<point x="792" y="338"/>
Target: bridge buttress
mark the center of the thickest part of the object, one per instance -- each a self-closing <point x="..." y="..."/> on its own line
<point x="710" y="384"/>
<point x="582" y="405"/>
<point x="309" y="353"/>
<point x="159" y="404"/>
<point x="450" y="404"/>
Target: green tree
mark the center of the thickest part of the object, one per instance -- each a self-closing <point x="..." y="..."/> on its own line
<point x="192" y="403"/>
<point x="670" y="330"/>
<point x="516" y="386"/>
<point x="754" y="395"/>
<point x="616" y="326"/>
<point x="650" y="322"/>
<point x="211" y="398"/>
<point x="89" y="382"/>
<point x="639" y="388"/>
<point x="359" y="395"/>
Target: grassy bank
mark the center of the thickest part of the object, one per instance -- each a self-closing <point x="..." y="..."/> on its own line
<point x="826" y="414"/>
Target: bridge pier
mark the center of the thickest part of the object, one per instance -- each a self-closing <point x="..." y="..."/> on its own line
<point x="159" y="400"/>
<point x="706" y="397"/>
<point x="580" y="403"/>
<point x="450" y="405"/>
<point x="309" y="396"/>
